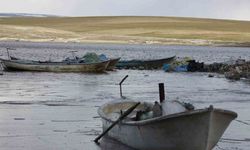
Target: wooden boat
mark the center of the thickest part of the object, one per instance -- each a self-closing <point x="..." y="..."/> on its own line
<point x="198" y="129"/>
<point x="144" y="64"/>
<point x="112" y="63"/>
<point x="110" y="67"/>
<point x="28" y="65"/>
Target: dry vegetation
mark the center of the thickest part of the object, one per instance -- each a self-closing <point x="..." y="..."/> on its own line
<point x="162" y="30"/>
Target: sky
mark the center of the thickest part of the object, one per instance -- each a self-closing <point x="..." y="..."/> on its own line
<point x="220" y="9"/>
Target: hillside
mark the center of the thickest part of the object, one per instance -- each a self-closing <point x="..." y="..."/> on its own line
<point x="149" y="30"/>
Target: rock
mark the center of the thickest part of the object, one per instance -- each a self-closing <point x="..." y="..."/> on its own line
<point x="240" y="62"/>
<point x="19" y="118"/>
<point x="238" y="69"/>
<point x="195" y="66"/>
<point x="233" y="75"/>
<point x="210" y="75"/>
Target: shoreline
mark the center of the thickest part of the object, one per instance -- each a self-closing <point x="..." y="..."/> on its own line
<point x="222" y="44"/>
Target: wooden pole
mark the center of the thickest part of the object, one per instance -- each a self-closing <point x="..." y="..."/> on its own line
<point x="8" y="53"/>
<point x="125" y="114"/>
<point x="121" y="85"/>
<point x="1" y="72"/>
<point x="161" y="92"/>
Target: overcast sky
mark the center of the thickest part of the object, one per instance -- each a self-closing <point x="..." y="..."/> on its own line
<point x="225" y="9"/>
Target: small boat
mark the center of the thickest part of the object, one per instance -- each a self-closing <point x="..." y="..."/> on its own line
<point x="112" y="63"/>
<point x="198" y="129"/>
<point x="29" y="65"/>
<point x="144" y="64"/>
<point x="110" y="67"/>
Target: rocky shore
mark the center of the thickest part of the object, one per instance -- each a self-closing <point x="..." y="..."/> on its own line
<point x="234" y="70"/>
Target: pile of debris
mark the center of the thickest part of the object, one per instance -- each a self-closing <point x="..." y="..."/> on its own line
<point x="183" y="65"/>
<point x="233" y="70"/>
<point x="238" y="70"/>
<point x="216" y="67"/>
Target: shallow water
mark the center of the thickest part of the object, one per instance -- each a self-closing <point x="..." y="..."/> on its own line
<point x="58" y="51"/>
<point x="59" y="110"/>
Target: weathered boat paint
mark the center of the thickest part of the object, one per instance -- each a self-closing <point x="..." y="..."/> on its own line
<point x="144" y="64"/>
<point x="20" y="65"/>
<point x="193" y="130"/>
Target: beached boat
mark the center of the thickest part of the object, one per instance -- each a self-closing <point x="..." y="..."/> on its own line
<point x="112" y="63"/>
<point x="110" y="67"/>
<point x="144" y="64"/>
<point x="198" y="129"/>
<point x="28" y="65"/>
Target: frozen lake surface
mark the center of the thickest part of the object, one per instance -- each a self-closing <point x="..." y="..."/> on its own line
<point x="59" y="110"/>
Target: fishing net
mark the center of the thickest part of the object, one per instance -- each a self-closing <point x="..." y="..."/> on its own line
<point x="91" y="58"/>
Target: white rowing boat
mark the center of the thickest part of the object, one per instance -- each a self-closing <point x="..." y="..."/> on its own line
<point x="198" y="129"/>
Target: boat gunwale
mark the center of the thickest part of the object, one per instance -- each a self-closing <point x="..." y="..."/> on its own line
<point x="37" y="63"/>
<point x="115" y="58"/>
<point x="112" y="63"/>
<point x="146" y="61"/>
<point x="164" y="118"/>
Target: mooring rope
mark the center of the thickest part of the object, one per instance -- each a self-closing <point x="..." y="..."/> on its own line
<point x="243" y="122"/>
<point x="219" y="147"/>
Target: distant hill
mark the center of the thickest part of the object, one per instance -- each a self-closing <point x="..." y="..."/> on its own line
<point x="127" y="29"/>
<point x="24" y="15"/>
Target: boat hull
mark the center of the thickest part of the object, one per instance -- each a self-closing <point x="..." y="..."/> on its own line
<point x="144" y="64"/>
<point x="194" y="130"/>
<point x="112" y="64"/>
<point x="18" y="65"/>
